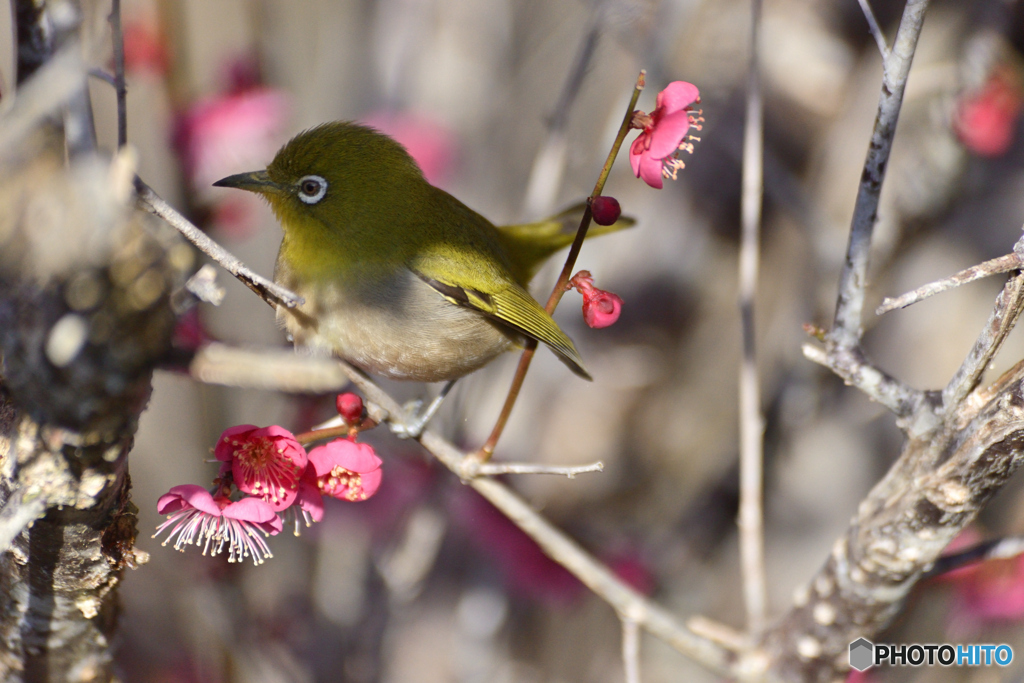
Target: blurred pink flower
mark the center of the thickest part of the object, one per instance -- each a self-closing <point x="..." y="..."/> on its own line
<point x="653" y="154"/>
<point x="518" y="558"/>
<point x="987" y="120"/>
<point x="198" y="518"/>
<point x="600" y="308"/>
<point x="346" y="470"/>
<point x="144" y="48"/>
<point x="993" y="592"/>
<point x="265" y="462"/>
<point x="222" y="135"/>
<point x="428" y="142"/>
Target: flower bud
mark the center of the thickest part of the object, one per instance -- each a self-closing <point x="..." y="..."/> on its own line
<point x="606" y="210"/>
<point x="350" y="407"/>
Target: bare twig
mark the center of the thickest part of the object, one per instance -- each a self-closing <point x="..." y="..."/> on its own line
<point x="270" y="292"/>
<point x="1002" y="264"/>
<point x="17" y="515"/>
<point x="846" y="330"/>
<point x="558" y="291"/>
<point x="751" y="518"/>
<point x="120" y="88"/>
<point x="878" y="385"/>
<point x="271" y="370"/>
<point x="876" y="30"/>
<point x="546" y="174"/>
<point x="1004" y="316"/>
<point x="631" y="650"/>
<point x="493" y="468"/>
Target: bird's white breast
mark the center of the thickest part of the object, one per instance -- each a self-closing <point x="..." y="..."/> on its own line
<point x="397" y="326"/>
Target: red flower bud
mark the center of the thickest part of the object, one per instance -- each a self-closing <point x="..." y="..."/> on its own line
<point x="606" y="210"/>
<point x="350" y="407"/>
<point x="600" y="308"/>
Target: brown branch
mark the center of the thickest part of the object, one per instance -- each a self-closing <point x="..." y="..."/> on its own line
<point x="937" y="487"/>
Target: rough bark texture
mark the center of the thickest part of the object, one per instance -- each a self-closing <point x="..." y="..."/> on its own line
<point x="932" y="492"/>
<point x="84" y="317"/>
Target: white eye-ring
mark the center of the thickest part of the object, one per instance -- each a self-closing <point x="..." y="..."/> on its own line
<point x="312" y="188"/>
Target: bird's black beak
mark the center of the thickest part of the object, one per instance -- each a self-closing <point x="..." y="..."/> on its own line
<point x="255" y="181"/>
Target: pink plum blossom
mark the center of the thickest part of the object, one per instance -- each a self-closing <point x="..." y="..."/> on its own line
<point x="346" y="470"/>
<point x="196" y="517"/>
<point x="265" y="462"/>
<point x="654" y="153"/>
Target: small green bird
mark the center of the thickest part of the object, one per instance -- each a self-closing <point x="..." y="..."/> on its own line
<point x="398" y="276"/>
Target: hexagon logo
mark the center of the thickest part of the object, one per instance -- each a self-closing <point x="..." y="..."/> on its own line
<point x="862" y="654"/>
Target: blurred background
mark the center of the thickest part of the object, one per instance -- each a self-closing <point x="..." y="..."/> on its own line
<point x="511" y="105"/>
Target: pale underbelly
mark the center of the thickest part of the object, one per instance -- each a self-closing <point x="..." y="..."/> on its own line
<point x="401" y="330"/>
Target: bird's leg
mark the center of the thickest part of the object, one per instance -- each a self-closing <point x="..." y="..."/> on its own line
<point x="414" y="424"/>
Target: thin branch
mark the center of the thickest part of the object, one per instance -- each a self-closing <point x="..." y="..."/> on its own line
<point x="548" y="165"/>
<point x="846" y="330"/>
<point x="270" y="292"/>
<point x="878" y="385"/>
<point x="1002" y="264"/>
<point x="751" y="517"/>
<point x="876" y="30"/>
<point x="1000" y="322"/>
<point x="631" y="650"/>
<point x="104" y="76"/>
<point x="120" y="88"/>
<point x="494" y="468"/>
<point x="270" y="370"/>
<point x="17" y="515"/>
<point x="558" y="291"/>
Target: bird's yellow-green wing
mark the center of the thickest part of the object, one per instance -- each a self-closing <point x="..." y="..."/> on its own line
<point x="513" y="306"/>
<point x="530" y="244"/>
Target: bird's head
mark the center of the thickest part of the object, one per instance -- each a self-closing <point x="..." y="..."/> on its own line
<point x="337" y="173"/>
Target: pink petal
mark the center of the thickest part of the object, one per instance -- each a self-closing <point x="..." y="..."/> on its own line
<point x="636" y="151"/>
<point x="601" y="308"/>
<point x="354" y="457"/>
<point x="187" y="495"/>
<point x="225" y="450"/>
<point x="668" y="133"/>
<point x="249" y="509"/>
<point x="677" y="95"/>
<point x="650" y="171"/>
<point x="371" y="482"/>
<point x="310" y="500"/>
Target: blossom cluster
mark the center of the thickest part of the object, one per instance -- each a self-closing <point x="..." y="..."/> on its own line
<point x="267" y="476"/>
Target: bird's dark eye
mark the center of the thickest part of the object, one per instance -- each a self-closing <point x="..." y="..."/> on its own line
<point x="312" y="189"/>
